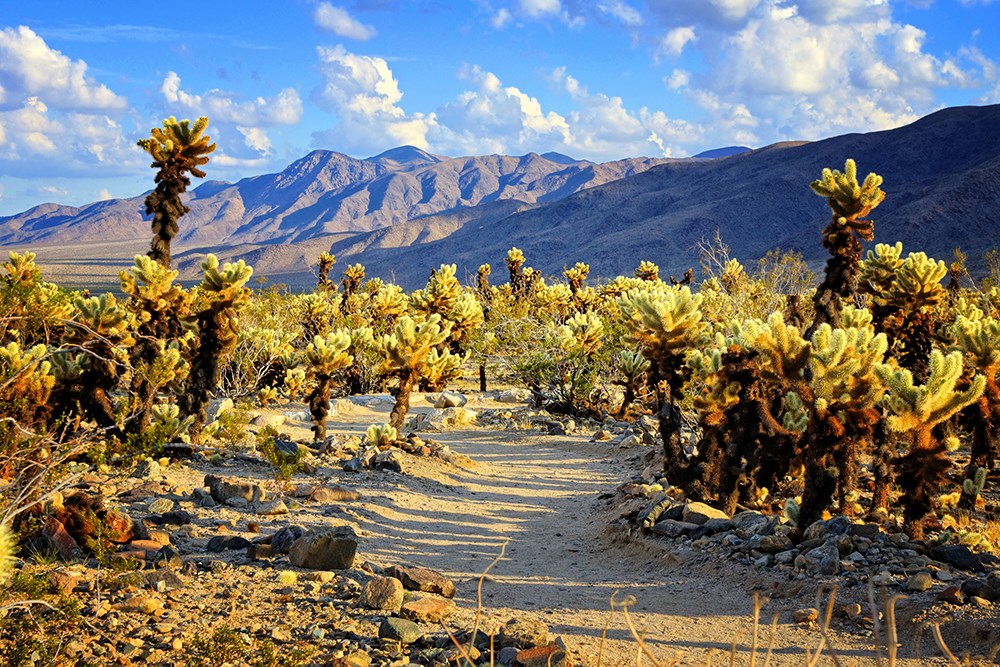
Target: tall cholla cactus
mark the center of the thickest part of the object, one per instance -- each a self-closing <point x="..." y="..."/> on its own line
<point x="850" y="202"/>
<point x="914" y="411"/>
<point x="406" y="352"/>
<point x="223" y="294"/>
<point x="177" y="150"/>
<point x="647" y="271"/>
<point x="325" y="356"/>
<point x="387" y="305"/>
<point x="351" y="281"/>
<point x="576" y="276"/>
<point x="483" y="288"/>
<point x="324" y="264"/>
<point x="444" y="296"/>
<point x="666" y="322"/>
<point x="978" y="337"/>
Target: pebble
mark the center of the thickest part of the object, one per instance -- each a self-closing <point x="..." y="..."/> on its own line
<point x="400" y="630"/>
<point x="921" y="581"/>
<point x="382" y="593"/>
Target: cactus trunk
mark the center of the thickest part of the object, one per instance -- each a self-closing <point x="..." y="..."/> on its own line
<point x="402" y="404"/>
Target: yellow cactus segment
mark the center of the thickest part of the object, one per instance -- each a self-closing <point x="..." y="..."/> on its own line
<point x="783" y="351"/>
<point x="848" y="198"/>
<point x="843" y="364"/>
<point x="582" y="334"/>
<point x="663" y="317"/>
<point x="232" y="276"/>
<point x="148" y="280"/>
<point x="979" y="339"/>
<point x="21" y="269"/>
<point x="878" y="270"/>
<point x="381" y="435"/>
<point x="632" y="363"/>
<point x="647" y="271"/>
<point x="412" y="340"/>
<point x="920" y="407"/>
<point x="6" y="553"/>
<point x="329" y="353"/>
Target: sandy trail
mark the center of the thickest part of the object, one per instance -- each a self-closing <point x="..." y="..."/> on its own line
<point x="539" y="494"/>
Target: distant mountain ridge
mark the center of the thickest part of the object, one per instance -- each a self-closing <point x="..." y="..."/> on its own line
<point x="406" y="211"/>
<point x="324" y="193"/>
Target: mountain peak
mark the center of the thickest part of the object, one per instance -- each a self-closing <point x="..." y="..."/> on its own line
<point x="725" y="151"/>
<point x="407" y="155"/>
<point x="559" y="158"/>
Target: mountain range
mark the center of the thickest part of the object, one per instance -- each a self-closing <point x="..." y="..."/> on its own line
<point x="406" y="211"/>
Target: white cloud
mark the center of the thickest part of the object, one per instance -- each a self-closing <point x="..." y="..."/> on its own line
<point x="104" y="194"/>
<point x="28" y="67"/>
<point x="843" y="11"/>
<point x="622" y="12"/>
<point x="339" y="22"/>
<point x="536" y="8"/>
<point x="365" y="95"/>
<point x="673" y="43"/>
<point x="678" y="79"/>
<point x="220" y="106"/>
<point x="501" y="19"/>
<point x="53" y="191"/>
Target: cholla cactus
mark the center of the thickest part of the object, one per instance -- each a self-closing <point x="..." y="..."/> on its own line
<point x="440" y="367"/>
<point x="784" y="354"/>
<point x="647" y="271"/>
<point x="915" y="410"/>
<point x="582" y="334"/>
<point x="223" y="293"/>
<point x="576" y="276"/>
<point x="325" y="356"/>
<point x="26" y="382"/>
<point x="167" y="419"/>
<point x="382" y="435"/>
<point x="973" y="488"/>
<point x="405" y="352"/>
<point x="35" y="312"/>
<point x="317" y="311"/>
<point x="295" y="379"/>
<point x="324" y="264"/>
<point x="666" y="322"/>
<point x="483" y="288"/>
<point x="850" y="202"/>
<point x="353" y="276"/>
<point x="388" y="305"/>
<point x="177" y="150"/>
<point x="7" y="550"/>
<point x="631" y="365"/>
<point x="978" y="337"/>
<point x="555" y="301"/>
<point x="878" y="270"/>
<point x="267" y="395"/>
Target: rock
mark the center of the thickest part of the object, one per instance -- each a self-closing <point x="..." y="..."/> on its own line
<point x="333" y="494"/>
<point x="175" y="518"/>
<point x="390" y="459"/>
<point x="142" y="604"/>
<point x="515" y="395"/>
<point x="870" y="531"/>
<point x="852" y="611"/>
<point x="980" y="589"/>
<point x="450" y="399"/>
<point x="281" y="541"/>
<point x="428" y="610"/>
<point x="952" y="595"/>
<point x="166" y="556"/>
<point x="161" y="537"/>
<point x="671" y="528"/>
<point x="749" y="523"/>
<point x="281" y="633"/>
<point x="382" y="593"/>
<point x="713" y="526"/>
<point x="806" y="615"/>
<point x="661" y="508"/>
<point x="55" y="534"/>
<point x="400" y="630"/>
<point x="921" y="581"/>
<point x="62" y="582"/>
<point x="772" y="544"/>
<point x="523" y="633"/>
<point x="119" y="527"/>
<point x="221" y="543"/>
<point x="147" y="469"/>
<point x="602" y="435"/>
<point x="274" y="421"/>
<point x="422" y="579"/>
<point x="541" y="656"/>
<point x="958" y="555"/>
<point x="273" y="508"/>
<point x="455" y="417"/>
<point x="944" y="575"/>
<point x="241" y="503"/>
<point x="823" y="560"/>
<point x="223" y="491"/>
<point x="627" y="441"/>
<point x="353" y="465"/>
<point x="508" y="655"/>
<point x="982" y="603"/>
<point x="329" y="550"/>
<point x="163" y="580"/>
<point x="700" y="513"/>
<point x="161" y="505"/>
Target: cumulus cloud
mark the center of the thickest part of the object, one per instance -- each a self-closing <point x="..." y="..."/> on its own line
<point x="339" y="22"/>
<point x="501" y="18"/>
<point x="247" y="117"/>
<point x="29" y="67"/>
<point x="54" y="118"/>
<point x="623" y="12"/>
<point x="536" y="8"/>
<point x="365" y="95"/>
<point x="673" y="43"/>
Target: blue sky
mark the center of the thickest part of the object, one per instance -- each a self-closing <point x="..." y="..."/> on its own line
<point x="81" y="82"/>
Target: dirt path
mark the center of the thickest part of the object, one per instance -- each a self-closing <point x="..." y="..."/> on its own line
<point x="539" y="494"/>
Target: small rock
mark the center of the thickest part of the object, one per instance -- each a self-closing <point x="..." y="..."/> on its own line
<point x="671" y="528"/>
<point x="921" y="581"/>
<point x="161" y="505"/>
<point x="147" y="469"/>
<point x="515" y="395"/>
<point x="508" y="655"/>
<point x="281" y="633"/>
<point x="980" y="589"/>
<point x="428" y="610"/>
<point x="333" y="494"/>
<point x="382" y="593"/>
<point x="523" y="633"/>
<point x="980" y="602"/>
<point x="273" y="508"/>
<point x="55" y="533"/>
<point x="400" y="630"/>
<point x="944" y="575"/>
<point x="450" y="399"/>
<point x="700" y="513"/>
<point x="281" y="541"/>
<point x="221" y="543"/>
<point x="62" y="582"/>
<point x="806" y="615"/>
<point x="713" y="526"/>
<point x="223" y="490"/>
<point x="166" y="556"/>
<point x="852" y="611"/>
<point x="602" y="435"/>
<point x="422" y="579"/>
<point x="952" y="595"/>
<point x="958" y="555"/>
<point x="772" y="544"/>
<point x="329" y="550"/>
<point x="143" y="604"/>
<point x="541" y="656"/>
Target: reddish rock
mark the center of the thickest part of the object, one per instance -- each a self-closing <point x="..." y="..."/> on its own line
<point x="144" y="545"/>
<point x="62" y="582"/>
<point x="118" y="527"/>
<point x="541" y="656"/>
<point x="952" y="595"/>
<point x="56" y="534"/>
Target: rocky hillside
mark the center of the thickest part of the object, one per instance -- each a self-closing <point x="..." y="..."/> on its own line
<point x="327" y="193"/>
